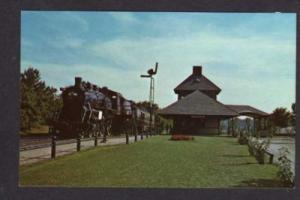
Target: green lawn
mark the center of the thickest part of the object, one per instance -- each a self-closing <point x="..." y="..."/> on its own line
<point x="156" y="162"/>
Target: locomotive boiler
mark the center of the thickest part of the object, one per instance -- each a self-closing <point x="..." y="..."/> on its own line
<point x="89" y="110"/>
<point x="85" y="109"/>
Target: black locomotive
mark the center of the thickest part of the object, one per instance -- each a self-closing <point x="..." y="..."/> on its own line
<point x="89" y="110"/>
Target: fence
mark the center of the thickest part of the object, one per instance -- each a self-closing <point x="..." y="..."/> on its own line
<point x="55" y="142"/>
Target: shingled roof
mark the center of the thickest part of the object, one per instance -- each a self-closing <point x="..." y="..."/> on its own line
<point x="197" y="103"/>
<point x="247" y="110"/>
<point x="197" y="81"/>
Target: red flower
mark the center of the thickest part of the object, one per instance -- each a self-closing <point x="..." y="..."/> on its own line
<point x="177" y="137"/>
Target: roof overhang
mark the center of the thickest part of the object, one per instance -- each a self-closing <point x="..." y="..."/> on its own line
<point x="166" y="115"/>
<point x="248" y="111"/>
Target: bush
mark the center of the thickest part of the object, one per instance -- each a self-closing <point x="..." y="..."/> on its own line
<point x="251" y="150"/>
<point x="181" y="137"/>
<point x="257" y="148"/>
<point x="242" y="139"/>
<point x="285" y="172"/>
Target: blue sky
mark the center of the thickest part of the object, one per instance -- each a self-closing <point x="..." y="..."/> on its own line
<point x="251" y="57"/>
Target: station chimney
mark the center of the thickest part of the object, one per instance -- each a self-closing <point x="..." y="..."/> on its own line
<point x="197" y="70"/>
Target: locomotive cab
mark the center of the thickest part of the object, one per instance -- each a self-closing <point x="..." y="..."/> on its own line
<point x="73" y="98"/>
<point x="127" y="109"/>
<point x="115" y="99"/>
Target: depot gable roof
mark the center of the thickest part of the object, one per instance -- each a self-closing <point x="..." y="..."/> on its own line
<point x="197" y="81"/>
<point x="197" y="103"/>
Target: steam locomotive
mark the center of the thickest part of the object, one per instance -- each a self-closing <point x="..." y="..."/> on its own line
<point x="89" y="110"/>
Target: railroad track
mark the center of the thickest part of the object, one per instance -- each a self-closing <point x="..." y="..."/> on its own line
<point x="35" y="143"/>
<point x="29" y="143"/>
<point x="32" y="151"/>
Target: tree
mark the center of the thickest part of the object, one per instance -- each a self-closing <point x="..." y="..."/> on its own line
<point x="38" y="101"/>
<point x="160" y="122"/>
<point x="280" y="117"/>
<point x="293" y="108"/>
<point x="146" y="105"/>
<point x="293" y="115"/>
<point x="29" y="100"/>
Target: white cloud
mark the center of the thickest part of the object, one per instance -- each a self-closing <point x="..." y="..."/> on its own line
<point x="266" y="94"/>
<point x="73" y="18"/>
<point x="257" y="70"/>
<point x="66" y="42"/>
<point x="251" y="60"/>
<point x="63" y="23"/>
<point x="126" y="82"/>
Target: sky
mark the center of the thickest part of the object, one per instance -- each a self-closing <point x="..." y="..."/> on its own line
<point x="250" y="56"/>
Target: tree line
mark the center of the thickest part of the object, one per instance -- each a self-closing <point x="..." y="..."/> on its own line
<point x="162" y="125"/>
<point x="281" y="117"/>
<point x="38" y="101"/>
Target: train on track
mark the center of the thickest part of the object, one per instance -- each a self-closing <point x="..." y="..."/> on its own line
<point x="89" y="110"/>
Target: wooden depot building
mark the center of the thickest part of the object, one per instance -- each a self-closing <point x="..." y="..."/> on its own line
<point x="197" y="110"/>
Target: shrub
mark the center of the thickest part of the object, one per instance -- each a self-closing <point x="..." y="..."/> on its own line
<point x="257" y="148"/>
<point x="242" y="139"/>
<point x="285" y="172"/>
<point x="251" y="148"/>
<point x="177" y="137"/>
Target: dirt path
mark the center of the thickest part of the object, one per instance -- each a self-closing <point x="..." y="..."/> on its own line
<point x="40" y="154"/>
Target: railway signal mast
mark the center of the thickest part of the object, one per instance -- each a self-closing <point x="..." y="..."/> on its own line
<point x="151" y="72"/>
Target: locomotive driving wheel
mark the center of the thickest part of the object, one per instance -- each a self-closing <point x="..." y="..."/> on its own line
<point x="85" y="130"/>
<point x="93" y="129"/>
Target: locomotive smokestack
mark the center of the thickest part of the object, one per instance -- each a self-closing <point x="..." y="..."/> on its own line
<point x="95" y="88"/>
<point x="78" y="81"/>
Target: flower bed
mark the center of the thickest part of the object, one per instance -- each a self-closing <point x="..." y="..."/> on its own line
<point x="178" y="137"/>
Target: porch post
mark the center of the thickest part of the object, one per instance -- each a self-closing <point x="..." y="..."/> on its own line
<point x="259" y="127"/>
<point x="254" y="126"/>
<point x="232" y="127"/>
<point x="228" y="128"/>
<point x="219" y="131"/>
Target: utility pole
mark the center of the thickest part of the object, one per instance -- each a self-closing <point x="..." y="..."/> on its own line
<point x="151" y="72"/>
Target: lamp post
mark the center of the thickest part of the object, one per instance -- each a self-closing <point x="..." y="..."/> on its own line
<point x="151" y="72"/>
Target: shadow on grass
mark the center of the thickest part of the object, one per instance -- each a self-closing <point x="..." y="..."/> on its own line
<point x="234" y="156"/>
<point x="34" y="135"/>
<point x="261" y="183"/>
<point x="233" y="141"/>
<point x="241" y="164"/>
